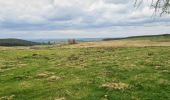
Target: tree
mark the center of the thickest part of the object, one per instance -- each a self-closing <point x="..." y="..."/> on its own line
<point x="160" y="6"/>
<point x="49" y="43"/>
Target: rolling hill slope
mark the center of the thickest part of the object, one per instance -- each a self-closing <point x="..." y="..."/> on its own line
<point x="136" y="41"/>
<point x="159" y="38"/>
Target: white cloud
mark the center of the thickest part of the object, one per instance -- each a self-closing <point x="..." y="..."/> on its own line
<point x="57" y="15"/>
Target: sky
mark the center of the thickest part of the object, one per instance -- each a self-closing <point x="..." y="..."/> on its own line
<point x="43" y="19"/>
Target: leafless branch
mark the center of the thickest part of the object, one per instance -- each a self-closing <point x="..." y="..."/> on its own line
<point x="160" y="6"/>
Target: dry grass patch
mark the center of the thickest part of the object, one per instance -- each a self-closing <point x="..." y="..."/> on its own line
<point x="63" y="98"/>
<point x="119" y="43"/>
<point x="116" y="86"/>
<point x="54" y="78"/>
<point x="22" y="65"/>
<point x="44" y="74"/>
<point x="7" y="97"/>
<point x="158" y="67"/>
<point x="25" y="85"/>
<point x="165" y="71"/>
<point x="49" y="76"/>
<point x="164" y="82"/>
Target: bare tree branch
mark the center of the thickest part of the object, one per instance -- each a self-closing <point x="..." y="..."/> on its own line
<point x="160" y="6"/>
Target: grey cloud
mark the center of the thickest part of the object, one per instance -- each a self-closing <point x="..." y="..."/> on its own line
<point x="50" y="15"/>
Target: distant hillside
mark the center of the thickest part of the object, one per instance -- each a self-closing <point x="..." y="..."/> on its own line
<point x="16" y="42"/>
<point x="159" y="38"/>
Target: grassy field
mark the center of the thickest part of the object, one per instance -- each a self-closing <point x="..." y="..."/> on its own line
<point x="103" y="73"/>
<point x="120" y="43"/>
<point x="136" y="41"/>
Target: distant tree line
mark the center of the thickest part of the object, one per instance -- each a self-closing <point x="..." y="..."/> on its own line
<point x="17" y="42"/>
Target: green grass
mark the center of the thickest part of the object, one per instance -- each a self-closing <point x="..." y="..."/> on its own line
<point x="82" y="73"/>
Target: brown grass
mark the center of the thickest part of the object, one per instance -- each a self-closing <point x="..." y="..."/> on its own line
<point x="7" y="97"/>
<point x="24" y="85"/>
<point x="118" y="43"/>
<point x="63" y="98"/>
<point x="54" y="78"/>
<point x="115" y="86"/>
<point x="44" y="74"/>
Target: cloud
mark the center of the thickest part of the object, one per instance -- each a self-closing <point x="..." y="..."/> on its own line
<point x="56" y="15"/>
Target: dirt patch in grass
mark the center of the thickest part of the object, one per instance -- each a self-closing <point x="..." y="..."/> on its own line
<point x="115" y="86"/>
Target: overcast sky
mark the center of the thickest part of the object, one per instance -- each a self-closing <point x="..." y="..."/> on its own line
<point x="78" y="19"/>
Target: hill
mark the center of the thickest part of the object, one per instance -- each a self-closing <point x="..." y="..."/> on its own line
<point x="136" y="41"/>
<point x="16" y="42"/>
<point x="160" y="38"/>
